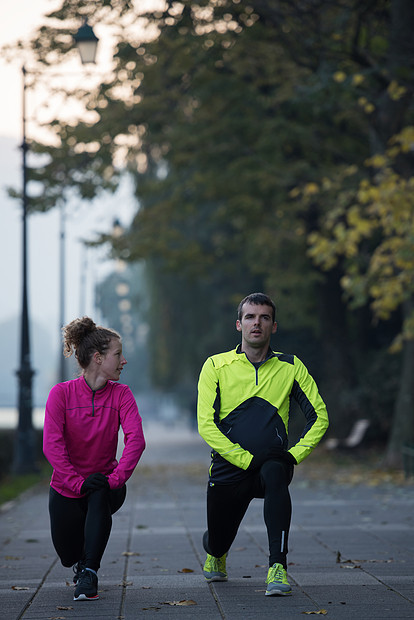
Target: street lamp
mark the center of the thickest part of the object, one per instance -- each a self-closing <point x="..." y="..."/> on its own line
<point x="24" y="453"/>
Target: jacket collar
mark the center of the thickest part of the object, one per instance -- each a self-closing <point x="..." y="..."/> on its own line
<point x="269" y="355"/>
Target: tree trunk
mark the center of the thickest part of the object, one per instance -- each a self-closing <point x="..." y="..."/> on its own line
<point x="402" y="430"/>
<point x="391" y="118"/>
<point x="339" y="377"/>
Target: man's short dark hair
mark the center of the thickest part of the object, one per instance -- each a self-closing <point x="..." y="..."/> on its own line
<point x="259" y="299"/>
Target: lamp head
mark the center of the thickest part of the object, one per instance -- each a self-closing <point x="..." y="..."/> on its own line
<point x="87" y="42"/>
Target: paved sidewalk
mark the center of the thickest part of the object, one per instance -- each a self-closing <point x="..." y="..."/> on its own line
<point x="351" y="550"/>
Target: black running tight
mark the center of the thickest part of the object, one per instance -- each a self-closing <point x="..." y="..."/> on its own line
<point x="81" y="527"/>
<point x="227" y="505"/>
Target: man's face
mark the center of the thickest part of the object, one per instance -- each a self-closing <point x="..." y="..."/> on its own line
<point x="256" y="325"/>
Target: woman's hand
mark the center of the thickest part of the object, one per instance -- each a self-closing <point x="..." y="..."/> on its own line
<point x="95" y="482"/>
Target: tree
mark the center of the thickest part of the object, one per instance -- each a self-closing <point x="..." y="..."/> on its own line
<point x="372" y="228"/>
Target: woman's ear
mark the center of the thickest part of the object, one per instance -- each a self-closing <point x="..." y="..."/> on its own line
<point x="97" y="357"/>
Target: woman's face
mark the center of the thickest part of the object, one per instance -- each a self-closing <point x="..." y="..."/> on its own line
<point x="113" y="361"/>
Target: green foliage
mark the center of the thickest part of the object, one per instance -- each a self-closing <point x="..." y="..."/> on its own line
<point x="381" y="217"/>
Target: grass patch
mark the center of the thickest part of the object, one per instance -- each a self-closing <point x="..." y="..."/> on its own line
<point x="12" y="485"/>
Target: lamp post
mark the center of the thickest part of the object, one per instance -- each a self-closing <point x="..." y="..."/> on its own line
<point x="24" y="453"/>
<point x="24" y="460"/>
<point x="62" y="280"/>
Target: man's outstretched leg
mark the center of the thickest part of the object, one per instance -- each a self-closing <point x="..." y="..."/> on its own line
<point x="226" y="507"/>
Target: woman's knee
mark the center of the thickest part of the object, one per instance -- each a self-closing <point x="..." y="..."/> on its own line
<point x="117" y="498"/>
<point x="99" y="497"/>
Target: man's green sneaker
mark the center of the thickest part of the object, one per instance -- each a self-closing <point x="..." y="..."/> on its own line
<point x="277" y="583"/>
<point x="215" y="568"/>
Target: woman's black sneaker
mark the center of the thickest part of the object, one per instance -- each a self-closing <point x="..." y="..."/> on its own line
<point x="77" y="569"/>
<point x="86" y="587"/>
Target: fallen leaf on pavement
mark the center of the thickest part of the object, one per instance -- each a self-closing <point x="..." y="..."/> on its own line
<point x="186" y="570"/>
<point x="321" y="612"/>
<point x="62" y="608"/>
<point x="181" y="603"/>
<point x="151" y="608"/>
<point x="19" y="588"/>
<point x="128" y="553"/>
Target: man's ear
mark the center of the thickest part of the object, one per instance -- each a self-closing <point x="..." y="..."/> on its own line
<point x="238" y="325"/>
<point x="274" y="328"/>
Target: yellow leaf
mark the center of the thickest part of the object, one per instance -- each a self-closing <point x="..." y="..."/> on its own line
<point x="310" y="189"/>
<point x="339" y="76"/>
<point x="377" y="161"/>
<point x="357" y="79"/>
<point x="396" y="91"/>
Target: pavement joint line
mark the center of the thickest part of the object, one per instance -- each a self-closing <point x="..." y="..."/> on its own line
<point x="179" y="507"/>
<point x="387" y="585"/>
<point x="126" y="561"/>
<point x="37" y="590"/>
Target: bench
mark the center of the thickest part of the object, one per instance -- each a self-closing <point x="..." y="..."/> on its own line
<point x="354" y="438"/>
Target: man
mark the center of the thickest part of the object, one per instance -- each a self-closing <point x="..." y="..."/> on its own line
<point x="243" y="414"/>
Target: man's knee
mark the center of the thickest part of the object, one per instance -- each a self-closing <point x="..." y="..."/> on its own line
<point x="217" y="551"/>
<point x="276" y="472"/>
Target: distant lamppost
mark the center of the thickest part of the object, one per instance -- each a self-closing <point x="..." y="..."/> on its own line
<point x="62" y="281"/>
<point x="24" y="460"/>
<point x="24" y="453"/>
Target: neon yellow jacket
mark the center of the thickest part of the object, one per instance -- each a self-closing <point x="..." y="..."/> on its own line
<point x="244" y="408"/>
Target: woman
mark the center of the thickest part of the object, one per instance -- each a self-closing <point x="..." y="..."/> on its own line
<point x="80" y="440"/>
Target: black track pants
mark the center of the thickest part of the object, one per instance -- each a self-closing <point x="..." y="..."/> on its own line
<point x="80" y="528"/>
<point x="227" y="505"/>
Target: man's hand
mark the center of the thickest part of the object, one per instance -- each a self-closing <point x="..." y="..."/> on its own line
<point x="273" y="453"/>
<point x="94" y="482"/>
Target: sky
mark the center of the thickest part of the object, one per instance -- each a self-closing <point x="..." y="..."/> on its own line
<point x="83" y="268"/>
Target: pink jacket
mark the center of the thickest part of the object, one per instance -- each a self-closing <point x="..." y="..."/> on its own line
<point x="80" y="434"/>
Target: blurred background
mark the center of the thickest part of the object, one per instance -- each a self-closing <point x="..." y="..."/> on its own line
<point x="210" y="150"/>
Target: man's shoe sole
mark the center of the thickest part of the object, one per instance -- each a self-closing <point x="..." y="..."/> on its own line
<point x="277" y="593"/>
<point x="215" y="578"/>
